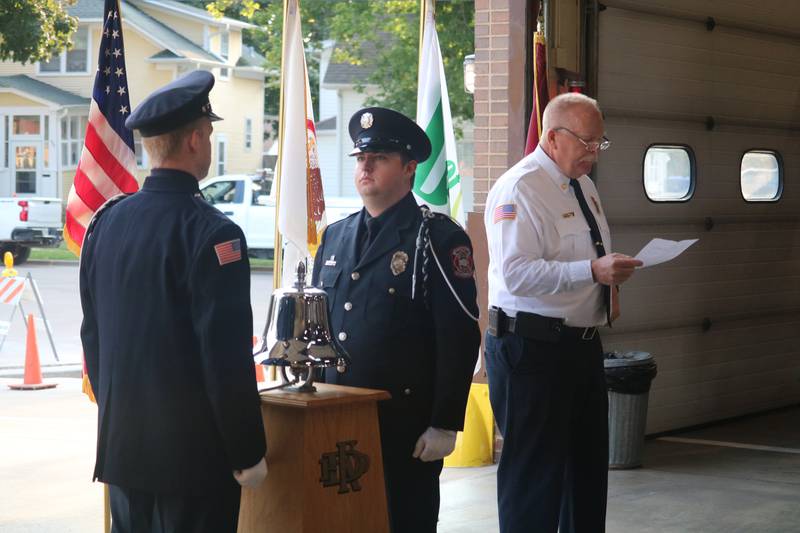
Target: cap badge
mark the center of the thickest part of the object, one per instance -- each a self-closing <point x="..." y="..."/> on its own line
<point x="398" y="264"/>
<point x="366" y="120"/>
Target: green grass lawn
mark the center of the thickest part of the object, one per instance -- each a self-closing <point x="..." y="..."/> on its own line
<point x="62" y="254"/>
<point x="52" y="254"/>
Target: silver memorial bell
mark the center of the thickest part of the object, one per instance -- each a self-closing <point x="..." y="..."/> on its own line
<point x="297" y="335"/>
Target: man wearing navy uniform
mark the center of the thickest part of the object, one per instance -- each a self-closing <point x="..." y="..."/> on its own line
<point x="402" y="302"/>
<point x="167" y="329"/>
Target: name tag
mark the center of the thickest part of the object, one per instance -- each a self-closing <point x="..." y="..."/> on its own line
<point x="330" y="262"/>
<point x="568" y="215"/>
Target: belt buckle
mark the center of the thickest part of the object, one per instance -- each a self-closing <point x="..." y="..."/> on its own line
<point x="586" y="333"/>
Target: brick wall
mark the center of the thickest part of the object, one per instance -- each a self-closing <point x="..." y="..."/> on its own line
<point x="500" y="99"/>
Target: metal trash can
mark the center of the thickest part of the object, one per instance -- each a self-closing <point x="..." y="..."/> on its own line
<point x="628" y="379"/>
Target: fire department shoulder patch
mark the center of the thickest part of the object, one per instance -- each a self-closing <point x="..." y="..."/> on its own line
<point x="463" y="265"/>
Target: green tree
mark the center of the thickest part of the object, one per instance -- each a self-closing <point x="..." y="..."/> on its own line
<point x="34" y="30"/>
<point x="383" y="31"/>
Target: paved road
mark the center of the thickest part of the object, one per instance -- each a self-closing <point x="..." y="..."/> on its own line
<point x="58" y="285"/>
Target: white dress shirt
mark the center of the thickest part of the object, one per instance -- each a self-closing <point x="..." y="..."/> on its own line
<point x="540" y="247"/>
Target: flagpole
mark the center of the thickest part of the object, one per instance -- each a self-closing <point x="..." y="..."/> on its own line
<point x="277" y="254"/>
<point x="306" y="96"/>
<point x="421" y="37"/>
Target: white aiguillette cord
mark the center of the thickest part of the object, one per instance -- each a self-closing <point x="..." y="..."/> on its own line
<point x="421" y="244"/>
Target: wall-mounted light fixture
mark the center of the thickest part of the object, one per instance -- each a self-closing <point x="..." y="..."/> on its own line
<point x="469" y="73"/>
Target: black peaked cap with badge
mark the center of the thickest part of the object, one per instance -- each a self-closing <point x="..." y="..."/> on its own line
<point x="174" y="105"/>
<point x="379" y="129"/>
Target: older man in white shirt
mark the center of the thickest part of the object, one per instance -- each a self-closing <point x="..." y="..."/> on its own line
<point x="550" y="286"/>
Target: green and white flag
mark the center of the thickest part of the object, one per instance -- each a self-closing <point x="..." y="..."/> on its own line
<point x="437" y="182"/>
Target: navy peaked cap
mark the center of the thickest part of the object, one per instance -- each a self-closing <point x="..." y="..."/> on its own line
<point x="378" y="129"/>
<point x="174" y="105"/>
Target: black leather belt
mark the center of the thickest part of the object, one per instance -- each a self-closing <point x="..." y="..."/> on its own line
<point x="536" y="327"/>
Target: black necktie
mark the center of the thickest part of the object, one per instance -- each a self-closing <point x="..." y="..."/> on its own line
<point x="368" y="233"/>
<point x="597" y="240"/>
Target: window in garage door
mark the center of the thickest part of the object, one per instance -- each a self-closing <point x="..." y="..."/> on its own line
<point x="668" y="173"/>
<point x="761" y="176"/>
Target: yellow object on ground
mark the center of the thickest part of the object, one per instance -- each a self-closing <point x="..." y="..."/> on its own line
<point x="8" y="259"/>
<point x="474" y="446"/>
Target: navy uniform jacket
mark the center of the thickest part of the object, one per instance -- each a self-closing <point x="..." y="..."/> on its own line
<point x="425" y="357"/>
<point x="167" y="336"/>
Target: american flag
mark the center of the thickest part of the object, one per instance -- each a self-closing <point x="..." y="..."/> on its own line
<point x="107" y="163"/>
<point x="228" y="251"/>
<point x="505" y="212"/>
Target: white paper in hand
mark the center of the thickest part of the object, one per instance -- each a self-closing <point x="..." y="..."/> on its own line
<point x="661" y="250"/>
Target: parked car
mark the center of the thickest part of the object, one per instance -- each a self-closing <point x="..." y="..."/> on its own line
<point x="27" y="222"/>
<point x="249" y="200"/>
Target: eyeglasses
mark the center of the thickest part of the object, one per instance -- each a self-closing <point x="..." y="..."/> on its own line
<point x="594" y="146"/>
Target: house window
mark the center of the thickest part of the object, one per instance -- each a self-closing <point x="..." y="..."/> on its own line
<point x="669" y="172"/>
<point x="73" y="131"/>
<point x="761" y="175"/>
<point x="27" y="125"/>
<point x="46" y="146"/>
<point x="224" y="44"/>
<point x="5" y="161"/>
<point x="224" y="52"/>
<point x="73" y="61"/>
<point x="222" y="145"/>
<point x="248" y="133"/>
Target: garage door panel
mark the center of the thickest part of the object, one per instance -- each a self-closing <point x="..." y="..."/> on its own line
<point x="661" y="419"/>
<point x="775" y="15"/>
<point x="767" y="369"/>
<point x="653" y="56"/>
<point x="665" y="276"/>
<point x="693" y="342"/>
<point x="745" y="351"/>
<point x="660" y="75"/>
<point x="660" y="313"/>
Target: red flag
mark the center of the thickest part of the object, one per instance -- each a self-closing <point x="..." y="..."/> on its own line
<point x="540" y="94"/>
<point x="301" y="204"/>
<point x="107" y="163"/>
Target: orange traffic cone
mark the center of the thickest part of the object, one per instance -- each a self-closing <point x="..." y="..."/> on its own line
<point x="33" y="371"/>
<point x="259" y="368"/>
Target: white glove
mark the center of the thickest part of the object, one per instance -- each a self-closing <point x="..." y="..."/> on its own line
<point x="434" y="444"/>
<point x="253" y="476"/>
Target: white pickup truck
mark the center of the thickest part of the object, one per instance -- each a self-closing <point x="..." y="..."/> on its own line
<point x="249" y="200"/>
<point x="26" y="222"/>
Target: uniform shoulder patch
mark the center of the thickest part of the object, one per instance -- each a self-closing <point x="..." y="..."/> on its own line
<point x="463" y="264"/>
<point x="505" y="212"/>
<point x="228" y="251"/>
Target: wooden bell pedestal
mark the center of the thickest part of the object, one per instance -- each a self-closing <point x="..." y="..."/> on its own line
<point x="325" y="465"/>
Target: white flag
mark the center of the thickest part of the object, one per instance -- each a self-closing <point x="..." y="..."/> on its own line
<point x="437" y="181"/>
<point x="301" y="204"/>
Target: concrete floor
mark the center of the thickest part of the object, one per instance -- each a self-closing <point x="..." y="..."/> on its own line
<point x="741" y="476"/>
<point x="746" y="480"/>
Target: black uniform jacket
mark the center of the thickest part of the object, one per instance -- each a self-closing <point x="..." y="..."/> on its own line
<point x="167" y="335"/>
<point x="423" y="355"/>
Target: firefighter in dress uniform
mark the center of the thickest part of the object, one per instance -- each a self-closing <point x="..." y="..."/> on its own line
<point x="402" y="302"/>
<point x="167" y="329"/>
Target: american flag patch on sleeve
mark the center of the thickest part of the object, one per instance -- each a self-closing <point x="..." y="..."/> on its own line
<point x="228" y="251"/>
<point x="505" y="212"/>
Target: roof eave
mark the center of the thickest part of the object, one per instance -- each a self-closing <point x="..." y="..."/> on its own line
<point x="163" y="60"/>
<point x="224" y="21"/>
